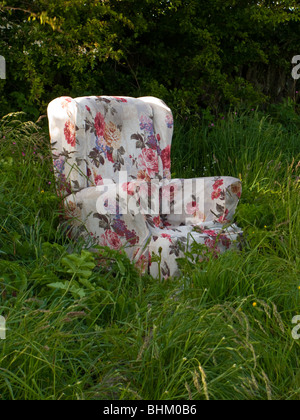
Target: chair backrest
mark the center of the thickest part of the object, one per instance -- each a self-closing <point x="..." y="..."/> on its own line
<point x="94" y="138"/>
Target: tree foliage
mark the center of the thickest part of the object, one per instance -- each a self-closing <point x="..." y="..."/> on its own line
<point x="192" y="53"/>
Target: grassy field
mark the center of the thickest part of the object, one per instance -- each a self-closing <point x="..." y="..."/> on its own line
<point x="81" y="329"/>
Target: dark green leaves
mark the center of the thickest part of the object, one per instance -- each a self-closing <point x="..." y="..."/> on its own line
<point x="191" y="54"/>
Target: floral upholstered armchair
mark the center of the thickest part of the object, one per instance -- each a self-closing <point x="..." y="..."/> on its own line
<point x="112" y="162"/>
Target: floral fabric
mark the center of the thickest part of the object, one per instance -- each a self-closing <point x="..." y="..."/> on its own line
<point x="95" y="138"/>
<point x="112" y="159"/>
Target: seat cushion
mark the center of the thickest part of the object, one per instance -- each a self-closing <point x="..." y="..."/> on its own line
<point x="172" y="242"/>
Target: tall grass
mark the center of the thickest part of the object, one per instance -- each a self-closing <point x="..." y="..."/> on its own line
<point x="221" y="331"/>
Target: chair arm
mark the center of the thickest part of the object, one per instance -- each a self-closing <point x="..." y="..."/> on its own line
<point x="200" y="200"/>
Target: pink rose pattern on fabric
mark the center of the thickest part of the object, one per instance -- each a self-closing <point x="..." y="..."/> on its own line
<point x="70" y="133"/>
<point x="148" y="161"/>
<point x="98" y="180"/>
<point x="166" y="157"/>
<point x="192" y="208"/>
<point x="112" y="240"/>
<point x="99" y="124"/>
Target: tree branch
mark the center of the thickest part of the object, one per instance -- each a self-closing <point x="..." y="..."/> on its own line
<point x="17" y="9"/>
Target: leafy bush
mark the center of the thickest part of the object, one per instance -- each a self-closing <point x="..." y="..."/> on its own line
<point x="194" y="55"/>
